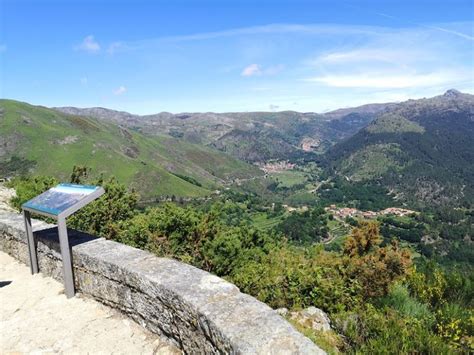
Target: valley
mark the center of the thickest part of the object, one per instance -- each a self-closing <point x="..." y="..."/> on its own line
<point x="387" y="185"/>
<point x="278" y="177"/>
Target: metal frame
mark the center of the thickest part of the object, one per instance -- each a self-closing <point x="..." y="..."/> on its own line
<point x="68" y="274"/>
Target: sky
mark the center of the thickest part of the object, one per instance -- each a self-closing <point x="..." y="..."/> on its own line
<point x="197" y="56"/>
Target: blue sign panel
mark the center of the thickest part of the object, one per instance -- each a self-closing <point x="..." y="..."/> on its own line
<point x="59" y="198"/>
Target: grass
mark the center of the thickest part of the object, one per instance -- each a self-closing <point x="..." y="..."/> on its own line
<point x="262" y="221"/>
<point x="290" y="178"/>
<point x="146" y="163"/>
<point x="329" y="340"/>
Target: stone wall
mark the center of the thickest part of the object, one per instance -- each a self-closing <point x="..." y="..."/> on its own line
<point x="200" y="312"/>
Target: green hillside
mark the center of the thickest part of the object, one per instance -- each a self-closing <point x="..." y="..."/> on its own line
<point x="421" y="150"/>
<point x="43" y="141"/>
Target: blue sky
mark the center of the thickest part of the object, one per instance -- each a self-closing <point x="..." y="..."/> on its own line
<point x="180" y="56"/>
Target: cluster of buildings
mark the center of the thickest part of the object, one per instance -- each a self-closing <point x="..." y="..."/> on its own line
<point x="344" y="212"/>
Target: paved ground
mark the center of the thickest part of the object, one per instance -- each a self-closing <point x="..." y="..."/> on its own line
<point x="37" y="318"/>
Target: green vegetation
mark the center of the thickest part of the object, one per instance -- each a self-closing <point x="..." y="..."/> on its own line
<point x="16" y="166"/>
<point x="290" y="178"/>
<point x="372" y="161"/>
<point x="421" y="150"/>
<point x="364" y="196"/>
<point x="394" y="123"/>
<point x="307" y="227"/>
<point x="381" y="299"/>
<point x="46" y="142"/>
<point x="390" y="285"/>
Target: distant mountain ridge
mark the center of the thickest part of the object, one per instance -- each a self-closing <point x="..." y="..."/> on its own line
<point x="249" y="136"/>
<point x="39" y="140"/>
<point x="420" y="149"/>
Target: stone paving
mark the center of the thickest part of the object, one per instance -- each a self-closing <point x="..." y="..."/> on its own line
<point x="37" y="318"/>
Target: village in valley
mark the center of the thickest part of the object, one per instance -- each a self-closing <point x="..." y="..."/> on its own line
<point x="344" y="212"/>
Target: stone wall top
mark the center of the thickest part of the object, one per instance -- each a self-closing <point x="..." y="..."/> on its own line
<point x="201" y="312"/>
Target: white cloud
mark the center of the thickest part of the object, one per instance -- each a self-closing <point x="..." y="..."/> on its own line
<point x="388" y="55"/>
<point x="120" y="90"/>
<point x="437" y="28"/>
<point x="311" y="29"/>
<point x="407" y="58"/>
<point x="455" y="33"/>
<point x="251" y="31"/>
<point x="387" y="81"/>
<point x="257" y="70"/>
<point x="252" y="70"/>
<point x="89" y="44"/>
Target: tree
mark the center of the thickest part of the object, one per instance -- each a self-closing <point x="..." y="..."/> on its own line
<point x="117" y="204"/>
<point x="374" y="267"/>
<point x="79" y="172"/>
<point x="362" y="239"/>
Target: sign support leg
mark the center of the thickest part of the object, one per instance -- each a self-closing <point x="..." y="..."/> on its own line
<point x="31" y="243"/>
<point x="66" y="255"/>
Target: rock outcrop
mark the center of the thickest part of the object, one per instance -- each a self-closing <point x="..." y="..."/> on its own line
<point x="313" y="318"/>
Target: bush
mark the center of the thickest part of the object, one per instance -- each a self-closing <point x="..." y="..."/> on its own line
<point x="28" y="187"/>
<point x="385" y="331"/>
<point x="295" y="278"/>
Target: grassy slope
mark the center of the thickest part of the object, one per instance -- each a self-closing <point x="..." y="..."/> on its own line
<point x="40" y="134"/>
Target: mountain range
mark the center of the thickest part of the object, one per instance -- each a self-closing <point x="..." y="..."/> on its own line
<point x="45" y="141"/>
<point x="420" y="149"/>
<point x="248" y="136"/>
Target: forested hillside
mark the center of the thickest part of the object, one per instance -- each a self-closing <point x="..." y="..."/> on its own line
<point x="420" y="149"/>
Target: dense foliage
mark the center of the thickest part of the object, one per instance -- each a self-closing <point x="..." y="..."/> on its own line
<point x="309" y="226"/>
<point x="380" y="298"/>
<point x="364" y="196"/>
<point x="422" y="150"/>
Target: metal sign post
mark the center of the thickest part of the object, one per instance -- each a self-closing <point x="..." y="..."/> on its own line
<point x="59" y="203"/>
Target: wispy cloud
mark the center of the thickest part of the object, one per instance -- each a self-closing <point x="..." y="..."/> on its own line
<point x="120" y="90"/>
<point x="401" y="58"/>
<point x="387" y="81"/>
<point x="89" y="45"/>
<point x="270" y="29"/>
<point x="388" y="55"/>
<point x="252" y="70"/>
<point x="456" y="33"/>
<point x="319" y="66"/>
<point x="257" y="70"/>
<point x="310" y="29"/>
<point x="437" y="28"/>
